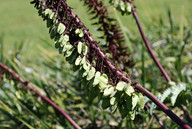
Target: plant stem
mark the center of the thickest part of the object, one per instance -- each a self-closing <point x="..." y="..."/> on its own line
<point x="156" y="117"/>
<point x="147" y="43"/>
<point x="186" y="113"/>
<point x="152" y="54"/>
<point x="25" y="83"/>
<point x="163" y="107"/>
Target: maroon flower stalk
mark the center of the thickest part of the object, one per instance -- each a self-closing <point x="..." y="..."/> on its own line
<point x="112" y="33"/>
<point x="186" y="113"/>
<point x="156" y="117"/>
<point x="151" y="52"/>
<point x="5" y="69"/>
<point x="147" y="43"/>
<point x="66" y="16"/>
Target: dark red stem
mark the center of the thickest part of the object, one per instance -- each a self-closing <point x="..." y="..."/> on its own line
<point x="153" y="56"/>
<point x="156" y="117"/>
<point x="163" y="107"/>
<point x="186" y="113"/>
<point x="25" y="83"/>
<point x="147" y="43"/>
<point x="159" y="121"/>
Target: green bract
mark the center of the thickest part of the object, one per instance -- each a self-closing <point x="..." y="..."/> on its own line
<point x="91" y="74"/>
<point x="122" y="6"/>
<point x="108" y="91"/>
<point x="79" y="47"/>
<point x="103" y="80"/>
<point x="78" y="60"/>
<point x="141" y="102"/>
<point x="79" y="32"/>
<point x="97" y="78"/>
<point x="61" y="28"/>
<point x="120" y="86"/>
<point x="129" y="90"/>
<point x="113" y="101"/>
<point x="135" y="99"/>
<point x="129" y="8"/>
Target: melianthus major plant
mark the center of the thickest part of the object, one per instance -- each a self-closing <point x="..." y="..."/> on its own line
<point x="97" y="73"/>
<point x="73" y="39"/>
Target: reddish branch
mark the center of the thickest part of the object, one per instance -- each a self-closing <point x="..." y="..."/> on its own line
<point x="66" y="16"/>
<point x="151" y="52"/>
<point x="186" y="113"/>
<point x="156" y="117"/>
<point x="147" y="43"/>
<point x="5" y="69"/>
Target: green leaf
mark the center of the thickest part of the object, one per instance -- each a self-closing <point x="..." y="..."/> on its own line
<point x="61" y="38"/>
<point x="124" y="111"/>
<point x="69" y="52"/>
<point x="47" y="11"/>
<point x="97" y="78"/>
<point x="71" y="59"/>
<point x="83" y="60"/>
<point x="78" y="60"/>
<point x="129" y="8"/>
<point x="104" y="79"/>
<point x="113" y="108"/>
<point x="140" y="102"/>
<point x="91" y="74"/>
<point x="176" y="90"/>
<point x="113" y="101"/>
<point x="57" y="45"/>
<point x="120" y="86"/>
<point x="49" y="23"/>
<point x="79" y="32"/>
<point x="103" y="82"/>
<point x="66" y="38"/>
<point x="102" y="86"/>
<point x="129" y="102"/>
<point x="135" y="99"/>
<point x="61" y="28"/>
<point x="84" y="49"/>
<point x="52" y="33"/>
<point x="108" y="91"/>
<point x="132" y="114"/>
<point x="51" y="15"/>
<point x="67" y="46"/>
<point x="165" y="94"/>
<point x="105" y="103"/>
<point x="122" y="5"/>
<point x="129" y="90"/>
<point x="86" y="66"/>
<point x="79" y="47"/>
